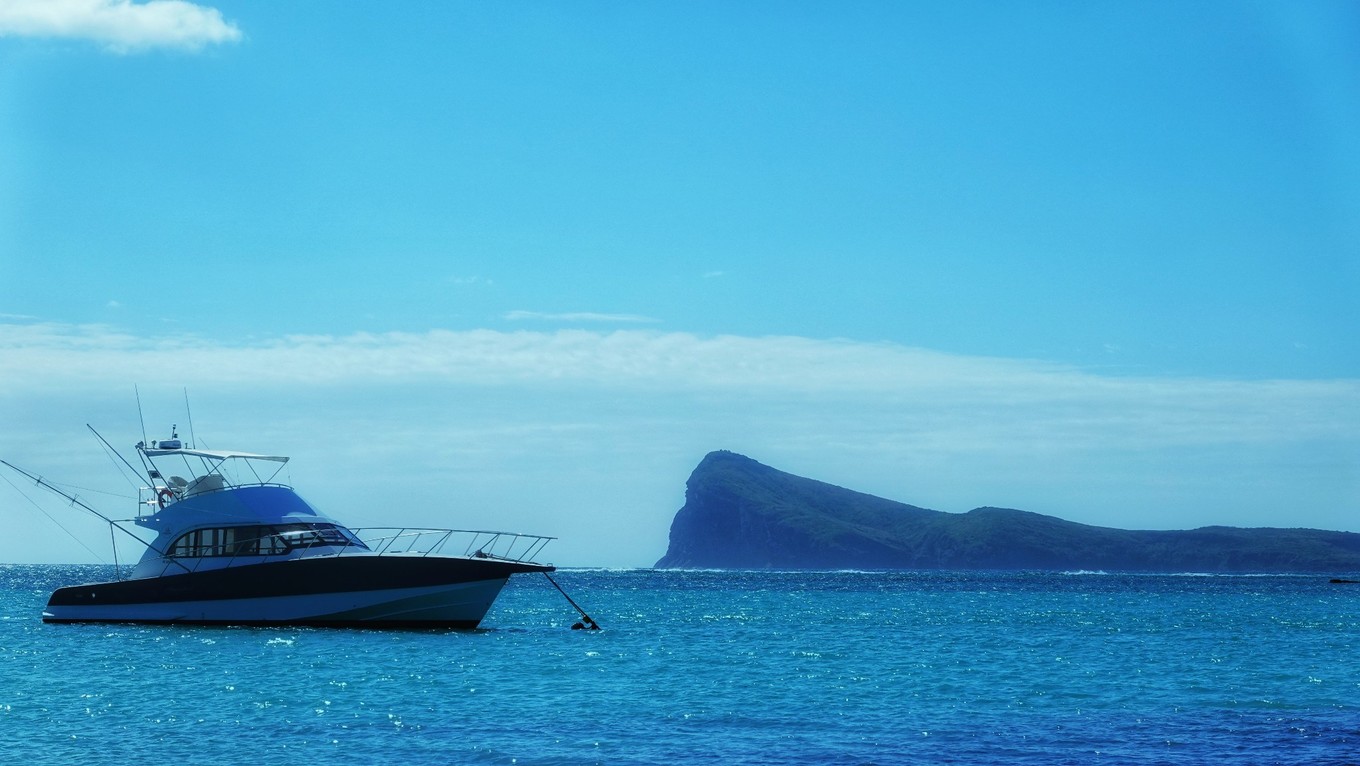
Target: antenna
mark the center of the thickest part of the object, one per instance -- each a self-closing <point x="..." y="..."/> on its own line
<point x="139" y="412"/>
<point x="193" y="443"/>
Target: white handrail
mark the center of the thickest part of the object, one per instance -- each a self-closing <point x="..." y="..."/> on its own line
<point x="403" y="541"/>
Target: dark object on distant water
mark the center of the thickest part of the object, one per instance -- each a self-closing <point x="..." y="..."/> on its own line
<point x="740" y="514"/>
<point x="1339" y="581"/>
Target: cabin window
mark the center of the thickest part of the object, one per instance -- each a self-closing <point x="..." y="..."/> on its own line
<point x="199" y="543"/>
<point x="260" y="540"/>
<point x="241" y="541"/>
<point x="271" y="544"/>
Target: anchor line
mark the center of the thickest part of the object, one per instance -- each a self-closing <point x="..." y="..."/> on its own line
<point x="586" y="621"/>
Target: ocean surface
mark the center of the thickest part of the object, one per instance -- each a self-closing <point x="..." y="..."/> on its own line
<point x="705" y="667"/>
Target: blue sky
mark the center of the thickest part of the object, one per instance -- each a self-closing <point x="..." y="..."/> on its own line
<point x="522" y="265"/>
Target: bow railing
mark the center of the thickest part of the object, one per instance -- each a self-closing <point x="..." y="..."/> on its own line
<point x="474" y="543"/>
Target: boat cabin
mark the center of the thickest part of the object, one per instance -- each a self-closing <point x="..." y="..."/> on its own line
<point x="229" y="513"/>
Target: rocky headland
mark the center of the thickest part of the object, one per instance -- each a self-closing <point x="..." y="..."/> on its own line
<point x="741" y="514"/>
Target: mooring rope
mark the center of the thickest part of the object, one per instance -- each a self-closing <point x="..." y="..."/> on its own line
<point x="586" y="623"/>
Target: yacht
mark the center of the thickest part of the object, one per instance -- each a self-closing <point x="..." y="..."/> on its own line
<point x="234" y="546"/>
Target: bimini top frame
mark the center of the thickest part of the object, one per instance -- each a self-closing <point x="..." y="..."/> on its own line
<point x="210" y="464"/>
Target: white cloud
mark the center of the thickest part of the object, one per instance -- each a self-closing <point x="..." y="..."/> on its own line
<point x="120" y="25"/>
<point x="589" y="435"/>
<point x="999" y="399"/>
<point x="577" y="316"/>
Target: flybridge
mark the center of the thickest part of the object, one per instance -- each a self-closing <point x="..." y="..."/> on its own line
<point x="167" y="489"/>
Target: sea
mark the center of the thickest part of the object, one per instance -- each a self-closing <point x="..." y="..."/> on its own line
<point x="717" y="667"/>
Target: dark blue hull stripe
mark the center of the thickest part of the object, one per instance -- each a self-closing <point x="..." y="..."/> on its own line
<point x="297" y="577"/>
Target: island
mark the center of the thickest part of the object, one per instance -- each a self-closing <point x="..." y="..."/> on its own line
<point x="742" y="514"/>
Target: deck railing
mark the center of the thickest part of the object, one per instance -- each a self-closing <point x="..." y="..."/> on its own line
<point x="474" y="543"/>
<point x="383" y="541"/>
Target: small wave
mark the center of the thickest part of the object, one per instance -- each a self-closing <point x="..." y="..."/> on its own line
<point x="1238" y="574"/>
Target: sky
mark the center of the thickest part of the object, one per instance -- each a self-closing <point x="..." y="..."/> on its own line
<point x="520" y="266"/>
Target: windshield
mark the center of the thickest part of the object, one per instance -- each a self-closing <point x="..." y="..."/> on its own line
<point x="261" y="540"/>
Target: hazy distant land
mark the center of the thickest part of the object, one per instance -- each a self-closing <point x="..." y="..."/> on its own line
<point x="739" y="513"/>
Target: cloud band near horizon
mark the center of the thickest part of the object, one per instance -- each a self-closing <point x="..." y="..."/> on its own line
<point x="984" y="393"/>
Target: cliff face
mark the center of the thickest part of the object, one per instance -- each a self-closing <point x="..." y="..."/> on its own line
<point x="740" y="514"/>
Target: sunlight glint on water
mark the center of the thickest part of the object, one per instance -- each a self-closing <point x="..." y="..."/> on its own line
<point x="719" y="667"/>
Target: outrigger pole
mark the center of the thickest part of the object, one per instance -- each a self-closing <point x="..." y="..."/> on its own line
<point x="101" y="438"/>
<point x="80" y="504"/>
<point x="74" y="500"/>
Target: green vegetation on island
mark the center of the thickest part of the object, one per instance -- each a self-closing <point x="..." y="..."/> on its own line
<point x="739" y="513"/>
